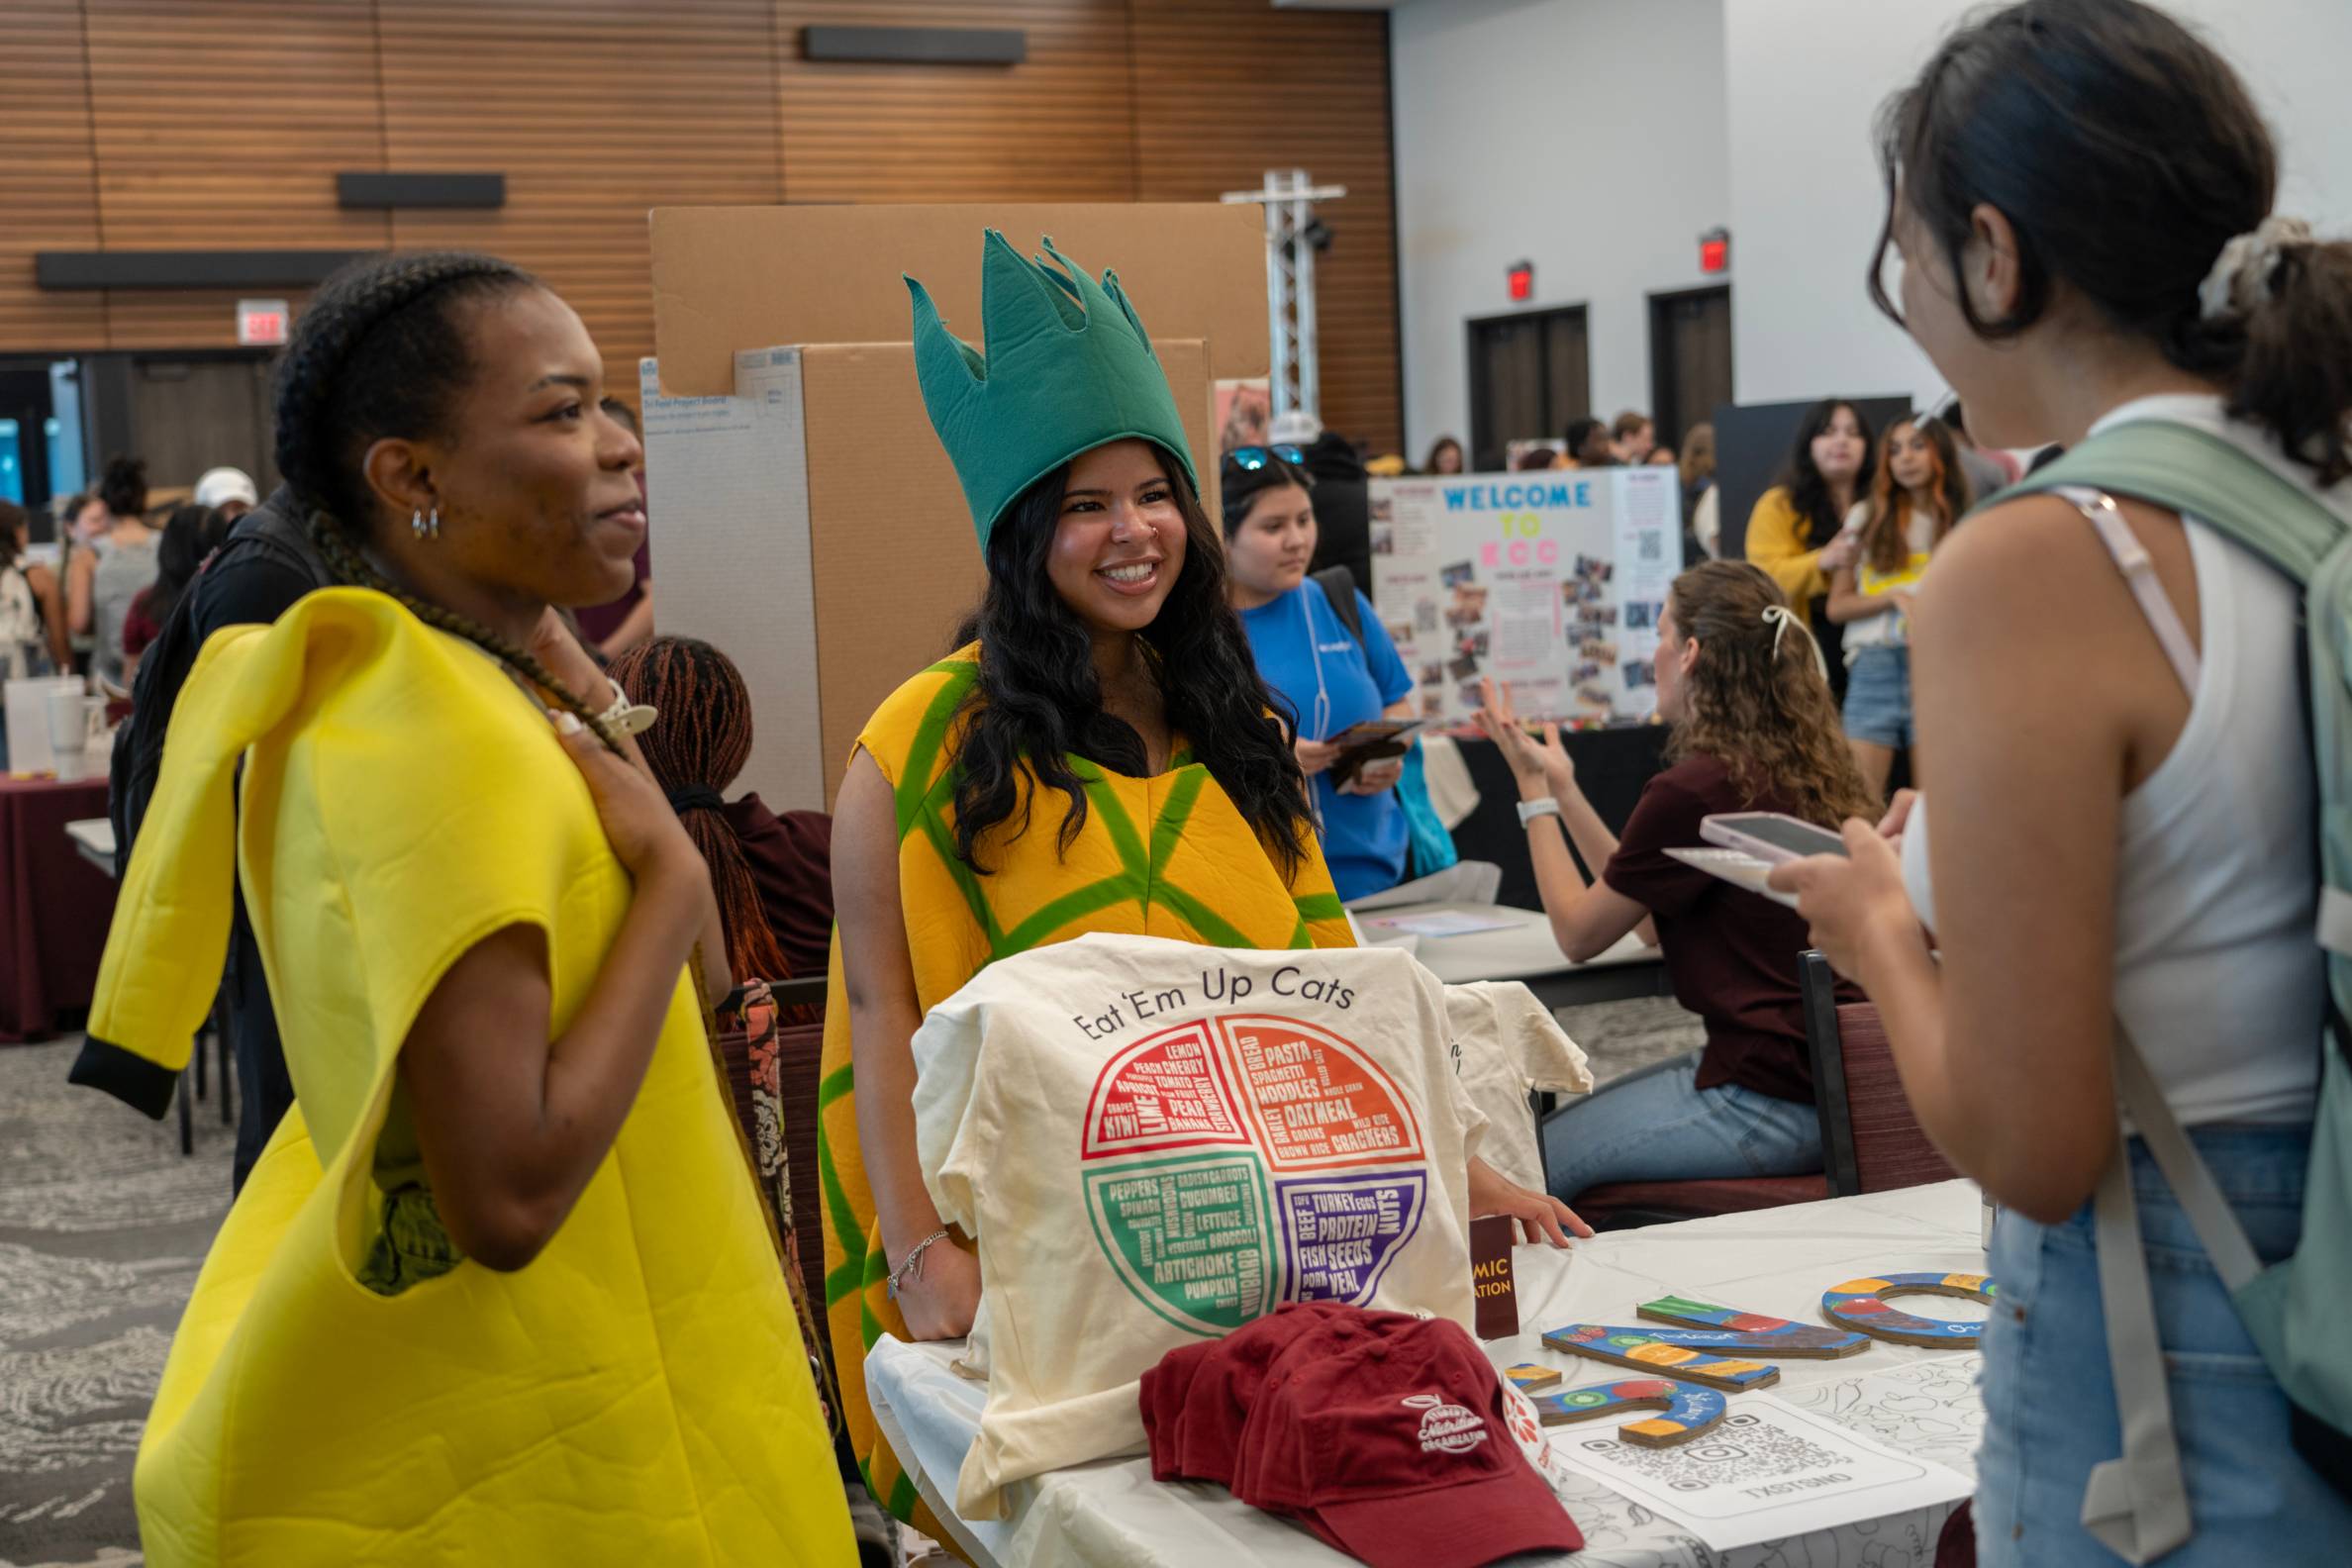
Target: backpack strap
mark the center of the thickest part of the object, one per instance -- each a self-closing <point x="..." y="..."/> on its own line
<point x="2197" y="473"/>
<point x="2182" y="469"/>
<point x="1339" y="586"/>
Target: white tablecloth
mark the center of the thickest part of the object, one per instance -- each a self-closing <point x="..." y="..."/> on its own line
<point x="1779" y="1261"/>
<point x="1520" y="947"/>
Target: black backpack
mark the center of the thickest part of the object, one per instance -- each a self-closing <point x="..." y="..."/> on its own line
<point x="275" y="529"/>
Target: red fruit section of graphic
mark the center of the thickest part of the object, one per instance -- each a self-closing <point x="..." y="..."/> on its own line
<point x="1167" y="1091"/>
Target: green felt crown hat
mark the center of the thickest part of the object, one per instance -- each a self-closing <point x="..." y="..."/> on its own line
<point x="1068" y="367"/>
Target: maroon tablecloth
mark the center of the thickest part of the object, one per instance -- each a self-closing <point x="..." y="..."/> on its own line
<point x="54" y="905"/>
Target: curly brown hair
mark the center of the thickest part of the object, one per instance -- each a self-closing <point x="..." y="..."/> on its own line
<point x="1756" y="699"/>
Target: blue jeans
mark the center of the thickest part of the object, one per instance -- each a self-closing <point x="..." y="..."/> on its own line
<point x="1878" y="699"/>
<point x="2050" y="1399"/>
<point x="1662" y="1126"/>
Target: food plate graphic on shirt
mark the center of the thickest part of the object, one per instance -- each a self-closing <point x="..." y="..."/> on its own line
<point x="1243" y="1160"/>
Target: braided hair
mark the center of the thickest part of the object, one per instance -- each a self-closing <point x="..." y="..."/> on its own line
<point x="698" y="748"/>
<point x="380" y="351"/>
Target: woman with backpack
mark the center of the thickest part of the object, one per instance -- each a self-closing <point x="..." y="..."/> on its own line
<point x="2120" y="874"/>
<point x="1324" y="677"/>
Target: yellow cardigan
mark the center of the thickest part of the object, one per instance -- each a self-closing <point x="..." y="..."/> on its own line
<point x="1780" y="539"/>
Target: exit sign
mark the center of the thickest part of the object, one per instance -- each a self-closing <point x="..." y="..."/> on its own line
<point x="1714" y="251"/>
<point x="261" y="323"/>
<point x="1521" y="278"/>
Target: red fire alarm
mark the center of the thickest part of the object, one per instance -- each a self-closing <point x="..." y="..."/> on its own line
<point x="1522" y="282"/>
<point x="1714" y="251"/>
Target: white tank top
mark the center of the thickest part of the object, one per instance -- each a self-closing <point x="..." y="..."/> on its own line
<point x="2218" y="975"/>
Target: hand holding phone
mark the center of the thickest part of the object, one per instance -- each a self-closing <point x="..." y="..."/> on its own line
<point x="1374" y="741"/>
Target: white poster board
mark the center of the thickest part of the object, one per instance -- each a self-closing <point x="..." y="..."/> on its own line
<point x="1551" y="581"/>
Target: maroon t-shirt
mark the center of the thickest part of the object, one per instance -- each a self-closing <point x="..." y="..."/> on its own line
<point x="791" y="860"/>
<point x="1730" y="953"/>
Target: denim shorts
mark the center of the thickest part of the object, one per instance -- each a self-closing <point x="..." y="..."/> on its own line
<point x="2051" y="1395"/>
<point x="1877" y="706"/>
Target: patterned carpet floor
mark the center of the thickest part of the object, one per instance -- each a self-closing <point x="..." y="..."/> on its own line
<point x="103" y="1224"/>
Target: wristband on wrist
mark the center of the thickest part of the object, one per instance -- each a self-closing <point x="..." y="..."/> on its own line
<point x="625" y="716"/>
<point x="1529" y="811"/>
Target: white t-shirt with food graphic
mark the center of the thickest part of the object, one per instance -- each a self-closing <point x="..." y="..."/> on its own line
<point x="1154" y="1142"/>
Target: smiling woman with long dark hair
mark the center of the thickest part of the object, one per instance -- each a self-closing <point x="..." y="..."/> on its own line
<point x="1098" y="756"/>
<point x="1102" y="758"/>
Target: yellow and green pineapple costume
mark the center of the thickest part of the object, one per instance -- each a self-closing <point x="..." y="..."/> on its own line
<point x="1068" y="368"/>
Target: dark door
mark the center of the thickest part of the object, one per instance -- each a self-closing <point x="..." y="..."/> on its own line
<point x="191" y="414"/>
<point x="1690" y="358"/>
<point x="1529" y="376"/>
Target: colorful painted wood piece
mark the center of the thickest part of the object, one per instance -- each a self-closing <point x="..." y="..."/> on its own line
<point x="1528" y="1377"/>
<point x="1861" y="1304"/>
<point x="1776" y="1337"/>
<point x="1688" y="1410"/>
<point x="1667" y="1351"/>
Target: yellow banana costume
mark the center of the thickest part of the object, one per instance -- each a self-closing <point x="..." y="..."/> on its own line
<point x="638" y="1393"/>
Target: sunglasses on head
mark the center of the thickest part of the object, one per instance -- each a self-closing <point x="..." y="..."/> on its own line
<point x="1252" y="458"/>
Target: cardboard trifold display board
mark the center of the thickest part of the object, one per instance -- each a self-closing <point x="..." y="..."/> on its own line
<point x="729" y="278"/>
<point x="804" y="519"/>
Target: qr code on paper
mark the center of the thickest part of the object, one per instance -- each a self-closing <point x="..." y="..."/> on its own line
<point x="1653" y="547"/>
<point x="1744" y="1452"/>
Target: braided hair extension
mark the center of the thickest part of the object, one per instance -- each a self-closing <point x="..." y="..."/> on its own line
<point x="380" y="352"/>
<point x="698" y="748"/>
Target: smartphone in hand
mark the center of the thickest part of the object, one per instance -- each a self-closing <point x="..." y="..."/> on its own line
<point x="1770" y="837"/>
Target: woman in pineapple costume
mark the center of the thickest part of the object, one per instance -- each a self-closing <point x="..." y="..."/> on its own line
<point x="1103" y="757"/>
<point x="1100" y="759"/>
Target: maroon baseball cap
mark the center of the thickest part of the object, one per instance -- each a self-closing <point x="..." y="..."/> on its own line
<point x="1161" y="1402"/>
<point x="1394" y="1449"/>
<point x="1196" y="1399"/>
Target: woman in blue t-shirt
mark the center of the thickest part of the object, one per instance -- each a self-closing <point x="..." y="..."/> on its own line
<point x="1326" y="677"/>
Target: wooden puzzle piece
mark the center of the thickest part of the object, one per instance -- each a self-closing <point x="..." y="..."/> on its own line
<point x="1861" y="1304"/>
<point x="1665" y="1350"/>
<point x="1775" y="1336"/>
<point x="1528" y="1377"/>
<point x="1689" y="1408"/>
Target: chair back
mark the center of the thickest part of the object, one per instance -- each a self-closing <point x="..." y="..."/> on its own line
<point x="772" y="1070"/>
<point x="1870" y="1140"/>
<point x="799" y="1051"/>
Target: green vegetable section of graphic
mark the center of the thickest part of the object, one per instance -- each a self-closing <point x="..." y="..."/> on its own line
<point x="1188" y="1237"/>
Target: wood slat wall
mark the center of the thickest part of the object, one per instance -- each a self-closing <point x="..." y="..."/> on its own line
<point x="49" y="185"/>
<point x="1226" y="90"/>
<point x="595" y="110"/>
<point x="222" y="125"/>
<point x="202" y="123"/>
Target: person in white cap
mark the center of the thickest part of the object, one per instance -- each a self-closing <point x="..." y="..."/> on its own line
<point x="229" y="491"/>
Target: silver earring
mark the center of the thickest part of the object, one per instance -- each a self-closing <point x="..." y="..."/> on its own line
<point x="423" y="525"/>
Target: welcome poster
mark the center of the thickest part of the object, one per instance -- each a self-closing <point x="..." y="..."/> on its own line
<point x="1551" y="581"/>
